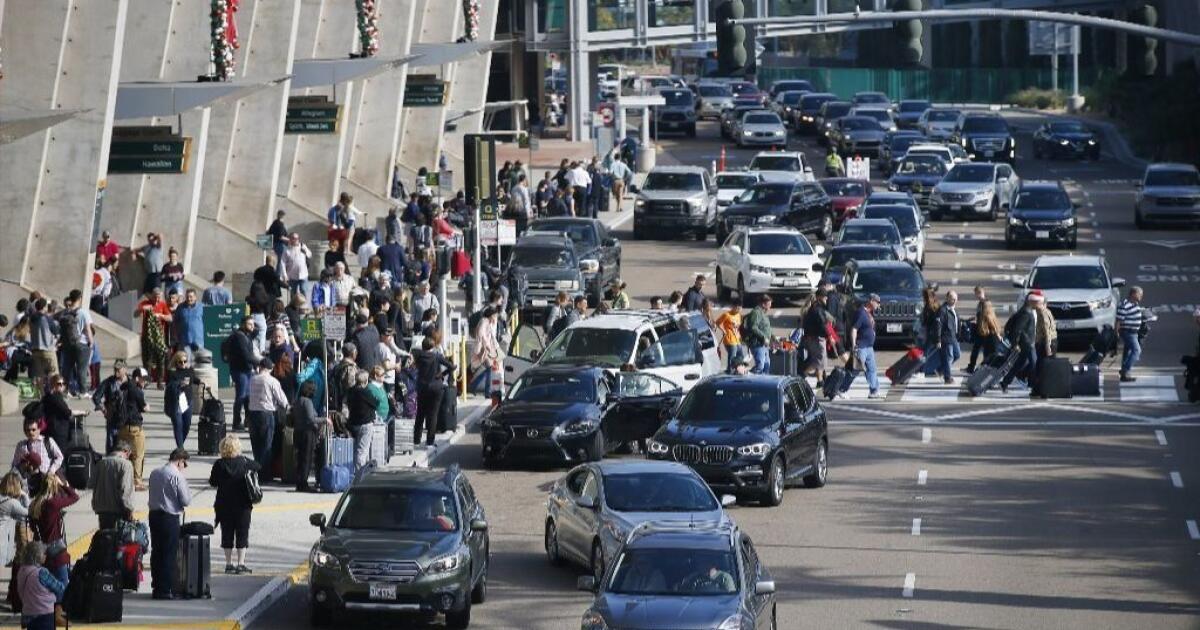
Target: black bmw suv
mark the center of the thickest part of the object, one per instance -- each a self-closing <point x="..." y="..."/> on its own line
<point x="986" y="138"/>
<point x="748" y="435"/>
<point x="1041" y="212"/>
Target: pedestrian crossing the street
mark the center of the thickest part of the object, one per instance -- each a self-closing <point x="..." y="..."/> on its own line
<point x="1149" y="388"/>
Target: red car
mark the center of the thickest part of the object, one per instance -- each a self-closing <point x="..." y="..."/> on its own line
<point x="847" y="195"/>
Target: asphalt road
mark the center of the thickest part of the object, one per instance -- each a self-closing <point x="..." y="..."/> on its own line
<point x="1069" y="514"/>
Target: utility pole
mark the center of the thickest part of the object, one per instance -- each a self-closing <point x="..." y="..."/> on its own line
<point x="1054" y="62"/>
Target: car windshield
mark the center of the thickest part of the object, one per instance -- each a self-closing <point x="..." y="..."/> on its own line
<point x="397" y="509"/>
<point x="836" y="110"/>
<point x="658" y="492"/>
<point x="767" y="194"/>
<point x="984" y="124"/>
<point x="674" y="181"/>
<point x="675" y="573"/>
<point x="900" y="144"/>
<point x="556" y="387"/>
<point x="897" y="281"/>
<point x="787" y="86"/>
<point x="677" y="98"/>
<point x="608" y="347"/>
<point x="903" y="217"/>
<point x="878" y="115"/>
<point x="1069" y="277"/>
<point x="870" y="97"/>
<point x="1068" y="127"/>
<point x="730" y="402"/>
<point x="779" y="245"/>
<point x="843" y="255"/>
<point x="860" y="233"/>
<point x="744" y="89"/>
<point x="761" y="119"/>
<point x="851" y="188"/>
<point x="1173" y="178"/>
<point x="860" y="123"/>
<point x="791" y="98"/>
<point x="714" y="90"/>
<point x="942" y="115"/>
<point x="922" y="165"/>
<point x="914" y="106"/>
<point x="540" y="257"/>
<point x="579" y="233"/>
<point x="813" y="102"/>
<point x="735" y="182"/>
<point x="775" y="163"/>
<point x="1043" y="200"/>
<point x="969" y="173"/>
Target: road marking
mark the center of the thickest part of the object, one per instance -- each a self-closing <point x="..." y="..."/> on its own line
<point x="958" y="265"/>
<point x="1098" y="237"/>
<point x="916" y="528"/>
<point x="910" y="580"/>
<point x="1162" y="437"/>
<point x="958" y="251"/>
<point x="1101" y="251"/>
<point x="1176" y="479"/>
<point x="954" y="280"/>
<point x="620" y="221"/>
<point x="1193" y="531"/>
<point x="926" y="436"/>
<point x="776" y="314"/>
<point x="922" y="477"/>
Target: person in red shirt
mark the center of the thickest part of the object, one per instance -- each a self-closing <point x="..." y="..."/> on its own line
<point x="106" y="248"/>
<point x="156" y="321"/>
<point x="441" y="227"/>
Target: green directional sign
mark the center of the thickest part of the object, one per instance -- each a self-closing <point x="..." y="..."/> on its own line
<point x="292" y="126"/>
<point x="311" y="115"/>
<point x="311" y="329"/>
<point x="220" y="322"/>
<point x="126" y="148"/>
<point x="148" y="150"/>
<point x="424" y="92"/>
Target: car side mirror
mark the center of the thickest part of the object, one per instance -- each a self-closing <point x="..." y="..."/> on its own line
<point x="534" y="355"/>
<point x="633" y="188"/>
<point x="317" y="520"/>
<point x="764" y="587"/>
<point x="588" y="503"/>
<point x="610" y="242"/>
<point x="737" y="249"/>
<point x="818" y="267"/>
<point x="1118" y="282"/>
<point x="586" y="583"/>
<point x="479" y="525"/>
<point x="728" y="500"/>
<point x="1018" y="284"/>
<point x="820" y="250"/>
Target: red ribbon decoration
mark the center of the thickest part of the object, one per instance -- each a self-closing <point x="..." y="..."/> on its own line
<point x="231" y="33"/>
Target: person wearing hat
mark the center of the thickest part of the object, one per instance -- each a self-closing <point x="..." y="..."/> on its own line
<point x="620" y="299"/>
<point x="169" y="497"/>
<point x="1021" y="332"/>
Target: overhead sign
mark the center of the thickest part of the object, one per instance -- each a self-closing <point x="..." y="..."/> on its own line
<point x="311" y="115"/>
<point x="424" y="90"/>
<point x="1050" y="38"/>
<point x="334" y="323"/>
<point x="148" y="150"/>
<point x="498" y="232"/>
<point x="858" y="168"/>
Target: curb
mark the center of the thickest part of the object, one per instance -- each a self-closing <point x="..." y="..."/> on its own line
<point x="441" y="445"/>
<point x="266" y="597"/>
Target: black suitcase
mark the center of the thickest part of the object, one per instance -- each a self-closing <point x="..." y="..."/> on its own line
<point x="991" y="373"/>
<point x="909" y="364"/>
<point x="838" y="382"/>
<point x="212" y="408"/>
<point x="448" y="414"/>
<point x="208" y="436"/>
<point x="105" y="597"/>
<point x="104" y="553"/>
<point x="1085" y="380"/>
<point x="1093" y="357"/>
<point x="1105" y="341"/>
<point x="79" y="437"/>
<point x="193" y="568"/>
<point x="1054" y="378"/>
<point x="785" y="362"/>
<point x="78" y="464"/>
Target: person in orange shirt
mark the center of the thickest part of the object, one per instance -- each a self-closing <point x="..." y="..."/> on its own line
<point x="730" y="325"/>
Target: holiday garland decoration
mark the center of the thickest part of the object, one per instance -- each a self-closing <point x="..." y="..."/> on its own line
<point x="471" y="16"/>
<point x="368" y="30"/>
<point x="223" y="32"/>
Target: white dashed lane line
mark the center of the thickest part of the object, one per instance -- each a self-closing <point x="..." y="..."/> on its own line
<point x="926" y="435"/>
<point x="922" y="477"/>
<point x="1161" y="437"/>
<point x="1193" y="531"/>
<point x="1176" y="479"/>
<point x="910" y="581"/>
<point x="916" y="527"/>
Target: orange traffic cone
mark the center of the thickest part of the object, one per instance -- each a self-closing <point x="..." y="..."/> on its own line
<point x="722" y="167"/>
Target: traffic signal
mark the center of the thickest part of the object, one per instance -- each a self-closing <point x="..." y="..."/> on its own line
<point x="908" y="33"/>
<point x="735" y="46"/>
<point x="1146" y="15"/>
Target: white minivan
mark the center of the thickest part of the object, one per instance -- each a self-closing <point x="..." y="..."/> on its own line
<point x="679" y="347"/>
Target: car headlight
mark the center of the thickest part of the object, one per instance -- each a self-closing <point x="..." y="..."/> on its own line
<point x="759" y="450"/>
<point x="325" y="560"/>
<point x="579" y="426"/>
<point x="566" y="285"/>
<point x="1012" y="143"/>
<point x="640" y="203"/>
<point x="964" y="143"/>
<point x="766" y="218"/>
<point x="1091" y="142"/>
<point x="986" y="193"/>
<point x="780" y="132"/>
<point x="734" y="622"/>
<point x="444" y="564"/>
<point x="1068" y="222"/>
<point x="695" y="204"/>
<point x="1096" y="305"/>
<point x="1014" y="221"/>
<point x="758" y="269"/>
<point x="806" y="118"/>
<point x="893" y="187"/>
<point x="656" y="447"/>
<point x="593" y="620"/>
<point x="1064" y="142"/>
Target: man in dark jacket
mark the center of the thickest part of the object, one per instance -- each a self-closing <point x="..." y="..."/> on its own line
<point x="361" y="405"/>
<point x="269" y="276"/>
<point x="391" y="255"/>
<point x="694" y="295"/>
<point x="815" y="326"/>
<point x="366" y="338"/>
<point x="431" y="366"/>
<point x="1021" y="332"/>
<point x="341" y="377"/>
<point x="947" y="334"/>
<point x="107" y="399"/>
<point x="238" y="352"/>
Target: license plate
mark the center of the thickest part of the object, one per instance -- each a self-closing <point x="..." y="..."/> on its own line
<point x="895" y="328"/>
<point x="989" y="153"/>
<point x="1042" y="234"/>
<point x="383" y="591"/>
<point x="539" y="302"/>
<point x="1065" y="324"/>
<point x="671" y="125"/>
<point x="791" y="283"/>
<point x="955" y="208"/>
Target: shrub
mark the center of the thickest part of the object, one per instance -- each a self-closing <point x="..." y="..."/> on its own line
<point x="1036" y="98"/>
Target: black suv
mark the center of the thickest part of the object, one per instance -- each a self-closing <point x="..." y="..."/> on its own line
<point x="1041" y="212"/>
<point x="546" y="264"/>
<point x="986" y="138"/>
<point x="801" y="205"/>
<point x="405" y="541"/>
<point x="683" y="575"/>
<point x="568" y="413"/>
<point x="748" y="435"/>
<point x="592" y="242"/>
<point x="898" y="285"/>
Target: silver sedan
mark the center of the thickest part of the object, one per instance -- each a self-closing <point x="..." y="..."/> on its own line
<point x="593" y="508"/>
<point x="762" y="128"/>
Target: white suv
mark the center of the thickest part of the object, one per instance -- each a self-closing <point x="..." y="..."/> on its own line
<point x="778" y="261"/>
<point x="782" y="166"/>
<point x="1079" y="291"/>
<point x="679" y="347"/>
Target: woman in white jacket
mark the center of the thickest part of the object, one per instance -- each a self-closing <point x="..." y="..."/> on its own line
<point x="486" y="357"/>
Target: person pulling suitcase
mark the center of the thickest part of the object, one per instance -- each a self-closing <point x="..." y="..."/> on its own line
<point x="169" y="496"/>
<point x="862" y="342"/>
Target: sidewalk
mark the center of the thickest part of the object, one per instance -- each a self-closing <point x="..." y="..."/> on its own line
<point x="280" y="526"/>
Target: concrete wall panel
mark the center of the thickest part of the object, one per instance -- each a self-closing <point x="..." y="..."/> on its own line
<point x="469" y="90"/>
<point x="421" y="135"/>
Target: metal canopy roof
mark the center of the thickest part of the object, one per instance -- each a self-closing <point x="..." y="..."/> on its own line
<point x="308" y="73"/>
<point x="13" y="128"/>
<point x="439" y="54"/>
<point x="153" y="98"/>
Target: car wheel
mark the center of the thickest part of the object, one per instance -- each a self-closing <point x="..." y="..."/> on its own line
<point x="320" y="616"/>
<point x="722" y="290"/>
<point x="826" y="228"/>
<point x="745" y="297"/>
<point x="702" y="234"/>
<point x="773" y="495"/>
<point x="595" y="450"/>
<point x="820" y="467"/>
<point x="638" y="233"/>
<point x="459" y="619"/>
<point x="1138" y="221"/>
<point x="551" y="542"/>
<point x="597" y="561"/>
<point x="479" y="593"/>
<point x="995" y="211"/>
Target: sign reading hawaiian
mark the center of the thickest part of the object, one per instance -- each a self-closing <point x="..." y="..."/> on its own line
<point x="424" y="90"/>
<point x="311" y="114"/>
<point x="148" y="150"/>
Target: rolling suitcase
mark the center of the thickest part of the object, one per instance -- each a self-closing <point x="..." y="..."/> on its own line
<point x="287" y="456"/>
<point x="105" y="597"/>
<point x="208" y="436"/>
<point x="402" y="434"/>
<point x="193" y="568"/>
<point x="784" y="362"/>
<point x="1093" y="357"/>
<point x="909" y="364"/>
<point x="838" y="382"/>
<point x="448" y="414"/>
<point x="379" y="440"/>
<point x="212" y="408"/>
<point x="334" y="478"/>
<point x="991" y="372"/>
<point x="339" y="451"/>
<point x="1085" y="380"/>
<point x="78" y="464"/>
<point x="1054" y="378"/>
<point x="104" y="550"/>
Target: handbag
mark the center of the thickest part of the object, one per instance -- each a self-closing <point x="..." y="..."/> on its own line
<point x="254" y="491"/>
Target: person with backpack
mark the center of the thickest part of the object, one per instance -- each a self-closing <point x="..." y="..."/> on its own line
<point x="169" y="497"/>
<point x="341" y="377"/>
<point x="75" y="324"/>
<point x="49" y="457"/>
<point x="109" y="400"/>
<point x="112" y="492"/>
<point x="131" y="430"/>
<point x="233" y="504"/>
<point x="238" y="352"/>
